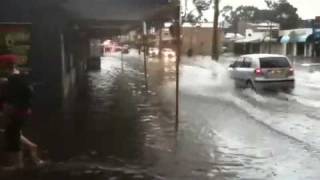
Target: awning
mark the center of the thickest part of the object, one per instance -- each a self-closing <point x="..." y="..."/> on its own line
<point x="285" y="39"/>
<point x="300" y="38"/>
<point x="313" y="37"/>
<point x="317" y="35"/>
<point x="296" y="39"/>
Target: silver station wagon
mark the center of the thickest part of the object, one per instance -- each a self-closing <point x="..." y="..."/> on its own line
<point x="263" y="72"/>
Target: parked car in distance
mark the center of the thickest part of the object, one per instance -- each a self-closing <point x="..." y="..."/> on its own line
<point x="263" y="72"/>
<point x="153" y="52"/>
<point x="125" y="49"/>
<point x="168" y="53"/>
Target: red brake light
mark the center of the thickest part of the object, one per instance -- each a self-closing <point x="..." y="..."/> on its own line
<point x="291" y="72"/>
<point x="259" y="72"/>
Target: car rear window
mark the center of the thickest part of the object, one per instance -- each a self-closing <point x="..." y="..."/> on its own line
<point x="274" y="62"/>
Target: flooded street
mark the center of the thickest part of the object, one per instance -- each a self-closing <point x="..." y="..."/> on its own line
<point x="250" y="135"/>
<point x="159" y="90"/>
<point x="114" y="128"/>
<point x="118" y="129"/>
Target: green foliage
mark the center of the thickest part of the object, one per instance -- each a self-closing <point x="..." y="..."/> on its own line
<point x="280" y="11"/>
<point x="233" y="16"/>
<point x="191" y="18"/>
<point x="286" y="15"/>
<point x="200" y="6"/>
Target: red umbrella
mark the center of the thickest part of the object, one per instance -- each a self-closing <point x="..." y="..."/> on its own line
<point x="8" y="58"/>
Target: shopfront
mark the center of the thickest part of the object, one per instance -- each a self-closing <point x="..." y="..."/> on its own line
<point x="16" y="39"/>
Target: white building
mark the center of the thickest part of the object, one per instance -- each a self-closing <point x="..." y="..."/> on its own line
<point x="296" y="42"/>
<point x="259" y="38"/>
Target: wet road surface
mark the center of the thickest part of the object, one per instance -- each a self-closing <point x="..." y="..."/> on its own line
<point x="116" y="129"/>
<point x="250" y="135"/>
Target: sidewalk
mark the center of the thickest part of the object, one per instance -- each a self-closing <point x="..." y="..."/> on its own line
<point x="115" y="128"/>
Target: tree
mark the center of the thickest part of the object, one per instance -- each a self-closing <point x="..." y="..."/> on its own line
<point x="246" y="12"/>
<point x="192" y="19"/>
<point x="280" y="11"/>
<point x="233" y="16"/>
<point x="196" y="15"/>
<point x="286" y="15"/>
<point x="202" y="5"/>
<point x="227" y="13"/>
<point x="264" y="15"/>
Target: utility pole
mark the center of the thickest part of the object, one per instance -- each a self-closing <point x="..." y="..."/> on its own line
<point x="175" y="31"/>
<point x="122" y="63"/>
<point x="178" y="75"/>
<point x="270" y="37"/>
<point x="215" y="41"/>
<point x="145" y="39"/>
<point x="313" y="34"/>
<point x="161" y="60"/>
<point x="160" y="43"/>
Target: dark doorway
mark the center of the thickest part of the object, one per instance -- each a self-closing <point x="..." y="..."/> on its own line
<point x="300" y="49"/>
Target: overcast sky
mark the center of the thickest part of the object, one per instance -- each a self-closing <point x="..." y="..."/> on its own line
<point x="307" y="9"/>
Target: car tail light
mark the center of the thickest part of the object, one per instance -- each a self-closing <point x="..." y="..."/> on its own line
<point x="291" y="72"/>
<point x="259" y="72"/>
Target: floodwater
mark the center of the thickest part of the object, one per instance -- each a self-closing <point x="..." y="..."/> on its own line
<point x="251" y="136"/>
<point x="117" y="128"/>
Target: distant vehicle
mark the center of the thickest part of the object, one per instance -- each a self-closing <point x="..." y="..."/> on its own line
<point x="117" y="48"/>
<point x="153" y="52"/>
<point x="125" y="49"/>
<point x="168" y="53"/>
<point x="263" y="72"/>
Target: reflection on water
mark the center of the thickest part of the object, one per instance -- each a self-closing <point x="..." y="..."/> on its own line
<point x="118" y="129"/>
<point x="114" y="129"/>
<point x="246" y="134"/>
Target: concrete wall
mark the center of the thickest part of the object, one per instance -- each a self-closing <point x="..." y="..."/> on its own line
<point x="74" y="60"/>
<point x="276" y="48"/>
<point x="15" y="11"/>
<point x="199" y="39"/>
<point x="45" y="59"/>
<point x="253" y="48"/>
<point x="69" y="74"/>
<point x="55" y="53"/>
<point x="46" y="63"/>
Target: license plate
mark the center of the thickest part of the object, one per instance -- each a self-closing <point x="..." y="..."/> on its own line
<point x="277" y="74"/>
